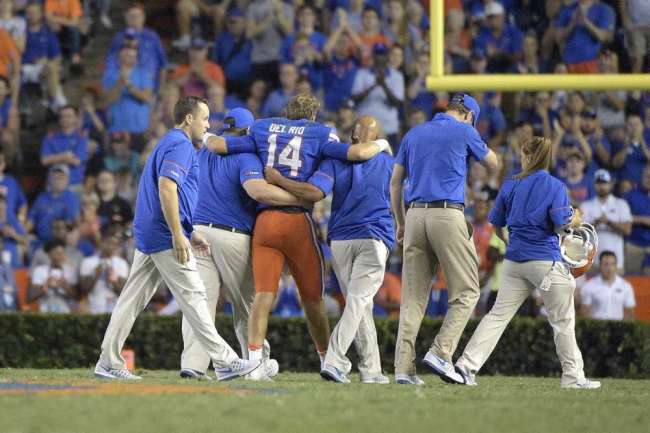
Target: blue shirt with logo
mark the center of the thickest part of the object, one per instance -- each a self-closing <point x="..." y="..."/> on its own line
<point x="338" y="78"/>
<point x="49" y="207"/>
<point x="435" y="156"/>
<point x="294" y="147"/>
<point x="40" y="44"/>
<point x="639" y="201"/>
<point x="361" y="202"/>
<point x="532" y="208"/>
<point x="222" y="200"/>
<point x="75" y="142"/>
<point x="175" y="158"/>
<point x="581" y="45"/>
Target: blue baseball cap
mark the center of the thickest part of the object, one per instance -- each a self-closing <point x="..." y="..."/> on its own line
<point x="242" y="118"/>
<point x="469" y="103"/>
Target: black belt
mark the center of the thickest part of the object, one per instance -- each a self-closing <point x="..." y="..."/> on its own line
<point x="437" y="204"/>
<point x="289" y="209"/>
<point x="223" y="227"/>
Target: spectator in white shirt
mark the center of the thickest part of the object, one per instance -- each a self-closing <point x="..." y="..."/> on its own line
<point x="54" y="285"/>
<point x="610" y="216"/>
<point x="607" y="296"/>
<point x="104" y="274"/>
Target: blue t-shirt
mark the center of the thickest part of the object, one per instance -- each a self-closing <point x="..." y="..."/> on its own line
<point x="581" y="45"/>
<point x="293" y="147"/>
<point x="4" y="112"/>
<point x="13" y="194"/>
<point x="639" y="201"/>
<point x="582" y="190"/>
<point x="338" y="78"/>
<point x="128" y="113"/>
<point x="174" y="157"/>
<point x="151" y="54"/>
<point x="361" y="202"/>
<point x="634" y="164"/>
<point x="236" y="64"/>
<point x="435" y="155"/>
<point x="48" y="207"/>
<point x="532" y="208"/>
<point x="40" y="44"/>
<point x="275" y="103"/>
<point x="58" y="142"/>
<point x="222" y="200"/>
<point x="313" y="70"/>
<point x="510" y="41"/>
<point x="491" y="122"/>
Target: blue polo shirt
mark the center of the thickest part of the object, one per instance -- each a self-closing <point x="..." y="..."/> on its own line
<point x="41" y="44"/>
<point x="58" y="142"/>
<point x="236" y="64"/>
<point x="151" y="54"/>
<point x="49" y="207"/>
<point x="361" y="202"/>
<point x="222" y="200"/>
<point x="435" y="156"/>
<point x="13" y="193"/>
<point x="639" y="201"/>
<point x="581" y="45"/>
<point x="174" y="157"/>
<point x="532" y="208"/>
<point x="128" y="113"/>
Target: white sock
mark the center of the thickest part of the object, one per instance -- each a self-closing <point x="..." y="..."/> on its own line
<point x="321" y="355"/>
<point x="254" y="355"/>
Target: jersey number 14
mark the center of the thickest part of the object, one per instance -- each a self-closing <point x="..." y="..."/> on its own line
<point x="290" y="155"/>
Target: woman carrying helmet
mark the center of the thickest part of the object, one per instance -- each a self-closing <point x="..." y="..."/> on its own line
<point x="535" y="208"/>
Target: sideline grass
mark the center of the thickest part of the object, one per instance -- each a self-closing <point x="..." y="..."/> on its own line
<point x="299" y="402"/>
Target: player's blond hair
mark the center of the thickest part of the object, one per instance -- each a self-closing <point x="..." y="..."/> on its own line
<point x="540" y="151"/>
<point x="303" y="106"/>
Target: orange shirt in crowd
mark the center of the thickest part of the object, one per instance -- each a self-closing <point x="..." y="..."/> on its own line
<point x="391" y="291"/>
<point x="369" y="41"/>
<point x="482" y="236"/>
<point x="195" y="87"/>
<point x="69" y="9"/>
<point x="9" y="55"/>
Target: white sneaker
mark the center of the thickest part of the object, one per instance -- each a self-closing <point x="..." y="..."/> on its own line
<point x="106" y="21"/>
<point x="442" y="368"/>
<point x="375" y="378"/>
<point x="468" y="377"/>
<point x="114" y="373"/>
<point x="271" y="367"/>
<point x="182" y="43"/>
<point x="188" y="373"/>
<point x="408" y="379"/>
<point x="583" y="384"/>
<point x="238" y="367"/>
<point x="333" y="374"/>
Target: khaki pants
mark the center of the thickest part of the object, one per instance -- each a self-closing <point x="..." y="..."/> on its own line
<point x="518" y="280"/>
<point x="147" y="274"/>
<point x="432" y="237"/>
<point x="359" y="266"/>
<point x="228" y="268"/>
<point x="634" y="256"/>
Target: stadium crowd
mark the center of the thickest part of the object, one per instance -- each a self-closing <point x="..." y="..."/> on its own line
<point x="360" y="58"/>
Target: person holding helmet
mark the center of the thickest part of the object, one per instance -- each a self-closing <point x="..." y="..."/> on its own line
<point x="535" y="208"/>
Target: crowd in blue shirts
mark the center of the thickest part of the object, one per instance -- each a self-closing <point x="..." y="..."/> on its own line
<point x="359" y="57"/>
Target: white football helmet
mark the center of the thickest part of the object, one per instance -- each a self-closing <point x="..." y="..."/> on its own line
<point x="578" y="247"/>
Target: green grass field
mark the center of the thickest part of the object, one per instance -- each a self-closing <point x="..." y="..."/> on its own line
<point x="294" y="402"/>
